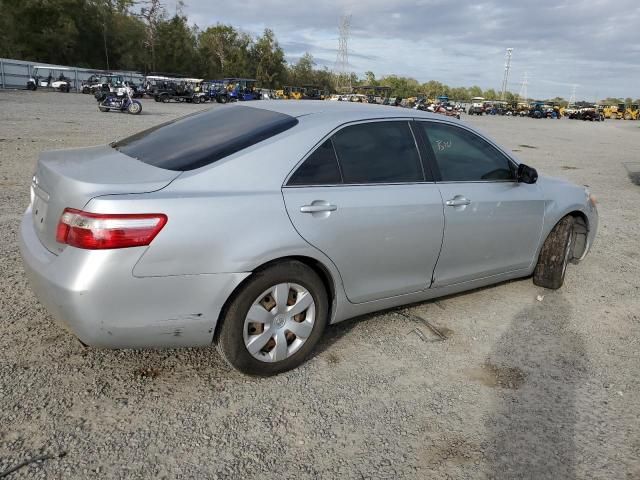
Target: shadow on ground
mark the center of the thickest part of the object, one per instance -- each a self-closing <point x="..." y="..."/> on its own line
<point x="539" y="364"/>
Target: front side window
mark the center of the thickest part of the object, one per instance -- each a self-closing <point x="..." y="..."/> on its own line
<point x="378" y="152"/>
<point x="320" y="168"/>
<point x="463" y="156"/>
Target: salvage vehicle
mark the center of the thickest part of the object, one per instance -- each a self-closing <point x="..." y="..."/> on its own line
<point x="253" y="227"/>
<point x="120" y="100"/>
<point x="52" y="78"/>
<point x="477" y="106"/>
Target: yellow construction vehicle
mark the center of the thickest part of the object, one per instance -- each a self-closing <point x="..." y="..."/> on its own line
<point x="609" y="111"/>
<point x="631" y="112"/>
<point x="292" y="93"/>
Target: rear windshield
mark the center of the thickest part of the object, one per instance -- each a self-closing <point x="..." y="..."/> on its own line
<point x="205" y="137"/>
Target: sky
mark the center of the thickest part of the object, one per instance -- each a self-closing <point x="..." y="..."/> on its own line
<point x="592" y="44"/>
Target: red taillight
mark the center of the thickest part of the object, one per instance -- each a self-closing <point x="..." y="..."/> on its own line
<point x="96" y="231"/>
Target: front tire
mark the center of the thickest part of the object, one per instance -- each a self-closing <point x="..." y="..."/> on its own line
<point x="555" y="255"/>
<point x="276" y="319"/>
<point x="134" y="108"/>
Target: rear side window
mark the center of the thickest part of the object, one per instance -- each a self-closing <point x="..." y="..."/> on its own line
<point x="378" y="152"/>
<point x="205" y="137"/>
<point x="463" y="156"/>
<point x="320" y="168"/>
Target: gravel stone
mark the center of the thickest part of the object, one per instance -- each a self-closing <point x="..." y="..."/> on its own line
<point x="519" y="389"/>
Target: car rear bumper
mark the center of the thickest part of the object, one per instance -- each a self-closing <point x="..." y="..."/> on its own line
<point x="94" y="294"/>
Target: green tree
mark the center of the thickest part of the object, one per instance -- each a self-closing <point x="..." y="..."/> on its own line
<point x="490" y="94"/>
<point x="268" y="58"/>
<point x="370" y="78"/>
<point x="302" y="72"/>
<point x="224" y="51"/>
<point x="176" y="46"/>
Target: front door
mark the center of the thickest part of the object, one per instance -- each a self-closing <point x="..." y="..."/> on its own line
<point x="362" y="199"/>
<point x="492" y="223"/>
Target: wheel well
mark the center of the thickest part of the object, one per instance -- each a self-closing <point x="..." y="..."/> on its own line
<point x="580" y="229"/>
<point x="312" y="263"/>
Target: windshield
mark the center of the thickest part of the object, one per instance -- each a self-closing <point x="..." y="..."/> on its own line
<point x="205" y="137"/>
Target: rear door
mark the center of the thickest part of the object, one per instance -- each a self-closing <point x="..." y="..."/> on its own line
<point x="362" y="198"/>
<point x="492" y="222"/>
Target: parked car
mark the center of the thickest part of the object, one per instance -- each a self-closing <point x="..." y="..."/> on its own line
<point x="253" y="227"/>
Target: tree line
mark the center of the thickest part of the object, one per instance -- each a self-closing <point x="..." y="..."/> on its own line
<point x="141" y="35"/>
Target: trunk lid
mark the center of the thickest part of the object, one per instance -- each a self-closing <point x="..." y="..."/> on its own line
<point x="70" y="178"/>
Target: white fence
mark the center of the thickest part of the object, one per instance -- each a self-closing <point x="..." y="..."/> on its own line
<point x="16" y="73"/>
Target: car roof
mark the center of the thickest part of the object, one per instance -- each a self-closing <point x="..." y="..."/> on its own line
<point x="318" y="110"/>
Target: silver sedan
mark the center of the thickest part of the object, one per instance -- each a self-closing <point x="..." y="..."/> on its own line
<point x="253" y="227"/>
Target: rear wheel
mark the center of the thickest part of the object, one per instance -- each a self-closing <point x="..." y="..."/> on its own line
<point x="555" y="255"/>
<point x="275" y="320"/>
<point x="195" y="99"/>
<point x="103" y="109"/>
<point x="222" y="99"/>
<point x="165" y="98"/>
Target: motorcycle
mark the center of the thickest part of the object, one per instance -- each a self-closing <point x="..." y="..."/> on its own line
<point x="120" y="100"/>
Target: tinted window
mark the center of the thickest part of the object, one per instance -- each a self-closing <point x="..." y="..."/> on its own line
<point x="464" y="156"/>
<point x="320" y="168"/>
<point x="378" y="152"/>
<point x="203" y="138"/>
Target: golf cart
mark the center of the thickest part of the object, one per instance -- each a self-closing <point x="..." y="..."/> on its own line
<point x="241" y="89"/>
<point x="52" y="78"/>
<point x="477" y="106"/>
<point x="101" y="82"/>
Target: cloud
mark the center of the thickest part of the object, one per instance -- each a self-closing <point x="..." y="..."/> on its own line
<point x="593" y="43"/>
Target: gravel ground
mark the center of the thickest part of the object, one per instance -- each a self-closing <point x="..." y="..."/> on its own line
<point x="520" y="388"/>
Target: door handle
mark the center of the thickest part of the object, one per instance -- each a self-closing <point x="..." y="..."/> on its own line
<point x="318" y="208"/>
<point x="457" y="201"/>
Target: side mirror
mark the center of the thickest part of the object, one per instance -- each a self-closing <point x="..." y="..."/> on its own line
<point x="527" y="174"/>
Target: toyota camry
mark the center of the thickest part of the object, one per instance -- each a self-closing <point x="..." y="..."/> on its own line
<point x="253" y="227"/>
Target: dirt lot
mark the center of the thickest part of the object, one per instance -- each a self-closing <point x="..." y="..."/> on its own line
<point x="520" y="388"/>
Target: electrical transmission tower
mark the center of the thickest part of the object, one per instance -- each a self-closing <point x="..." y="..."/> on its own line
<point x="523" y="87"/>
<point x="343" y="75"/>
<point x="572" y="100"/>
<point x="507" y="67"/>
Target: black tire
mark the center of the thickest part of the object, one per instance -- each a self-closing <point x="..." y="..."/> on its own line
<point x="86" y="90"/>
<point x="222" y="99"/>
<point x="165" y="98"/>
<point x="229" y="340"/>
<point x="195" y="100"/>
<point x="103" y="109"/>
<point x="555" y="255"/>
<point x="134" y="108"/>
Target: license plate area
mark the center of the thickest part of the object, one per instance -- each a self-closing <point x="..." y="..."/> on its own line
<point x="40" y="207"/>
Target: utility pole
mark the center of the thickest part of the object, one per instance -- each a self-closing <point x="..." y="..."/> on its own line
<point x="507" y="67"/>
<point x="343" y="75"/>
